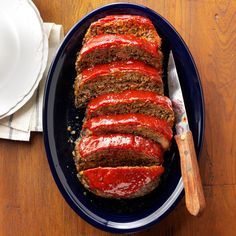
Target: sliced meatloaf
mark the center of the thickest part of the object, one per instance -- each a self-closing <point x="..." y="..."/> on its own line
<point x="103" y="49"/>
<point x="121" y="182"/>
<point x="116" y="77"/>
<point x="116" y="150"/>
<point x="138" y="124"/>
<point x="138" y="26"/>
<point x="132" y="101"/>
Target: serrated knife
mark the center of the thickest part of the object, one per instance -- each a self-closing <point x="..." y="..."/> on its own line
<point x="194" y="196"/>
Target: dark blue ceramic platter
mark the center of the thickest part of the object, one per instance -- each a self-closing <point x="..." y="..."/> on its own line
<point x="120" y="216"/>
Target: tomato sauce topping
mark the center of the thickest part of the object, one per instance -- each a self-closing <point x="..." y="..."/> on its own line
<point x="88" y="145"/>
<point x="111" y="40"/>
<point x="121" y="181"/>
<point x="133" y="120"/>
<point x="130" y="66"/>
<point x="111" y="18"/>
<point x="128" y="97"/>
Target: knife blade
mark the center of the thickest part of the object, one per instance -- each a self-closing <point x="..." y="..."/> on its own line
<point x="194" y="196"/>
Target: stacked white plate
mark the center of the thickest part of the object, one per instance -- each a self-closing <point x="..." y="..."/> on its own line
<point x="23" y="53"/>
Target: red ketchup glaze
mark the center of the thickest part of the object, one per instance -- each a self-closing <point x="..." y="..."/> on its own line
<point x="134" y="66"/>
<point x="133" y="120"/>
<point x="111" y="18"/>
<point x="127" y="97"/>
<point x="121" y="181"/>
<point x="88" y="145"/>
<point x="110" y="40"/>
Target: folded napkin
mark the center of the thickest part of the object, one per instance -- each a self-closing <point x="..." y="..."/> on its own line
<point x="29" y="118"/>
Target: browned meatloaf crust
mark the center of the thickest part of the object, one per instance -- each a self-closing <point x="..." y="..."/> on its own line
<point x="138" y="26"/>
<point x="116" y="77"/>
<point x="121" y="182"/>
<point x="132" y="101"/>
<point x="138" y="124"/>
<point x="116" y="150"/>
<point x="106" y="48"/>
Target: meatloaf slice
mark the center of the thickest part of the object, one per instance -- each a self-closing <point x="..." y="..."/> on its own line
<point x="132" y="101"/>
<point x="116" y="150"/>
<point x="103" y="49"/>
<point x="121" y="182"/>
<point x="138" y="124"/>
<point x="138" y="26"/>
<point x="116" y="77"/>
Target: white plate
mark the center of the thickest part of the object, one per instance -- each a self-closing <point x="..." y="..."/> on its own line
<point x="40" y="75"/>
<point x="22" y="50"/>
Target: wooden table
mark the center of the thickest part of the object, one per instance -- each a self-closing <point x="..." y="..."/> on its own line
<point x="30" y="203"/>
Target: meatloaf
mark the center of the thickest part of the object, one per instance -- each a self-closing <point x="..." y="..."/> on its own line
<point x="138" y="124"/>
<point x="132" y="101"/>
<point x="106" y="48"/>
<point x="121" y="182"/>
<point x="116" y="150"/>
<point x="116" y="77"/>
<point x="138" y="26"/>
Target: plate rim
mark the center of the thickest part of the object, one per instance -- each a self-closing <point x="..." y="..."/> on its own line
<point x="55" y="168"/>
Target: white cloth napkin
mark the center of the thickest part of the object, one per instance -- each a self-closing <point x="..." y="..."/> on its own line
<point x="29" y="118"/>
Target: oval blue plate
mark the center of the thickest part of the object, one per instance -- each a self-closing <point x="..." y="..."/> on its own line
<point x="120" y="216"/>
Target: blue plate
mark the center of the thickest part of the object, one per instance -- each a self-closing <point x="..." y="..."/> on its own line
<point x="120" y="216"/>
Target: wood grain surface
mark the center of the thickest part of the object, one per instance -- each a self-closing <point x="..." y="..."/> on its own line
<point x="30" y="203"/>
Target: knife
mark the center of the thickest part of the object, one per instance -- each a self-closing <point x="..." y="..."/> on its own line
<point x="194" y="196"/>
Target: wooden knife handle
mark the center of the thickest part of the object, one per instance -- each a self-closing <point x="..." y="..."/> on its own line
<point x="194" y="196"/>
